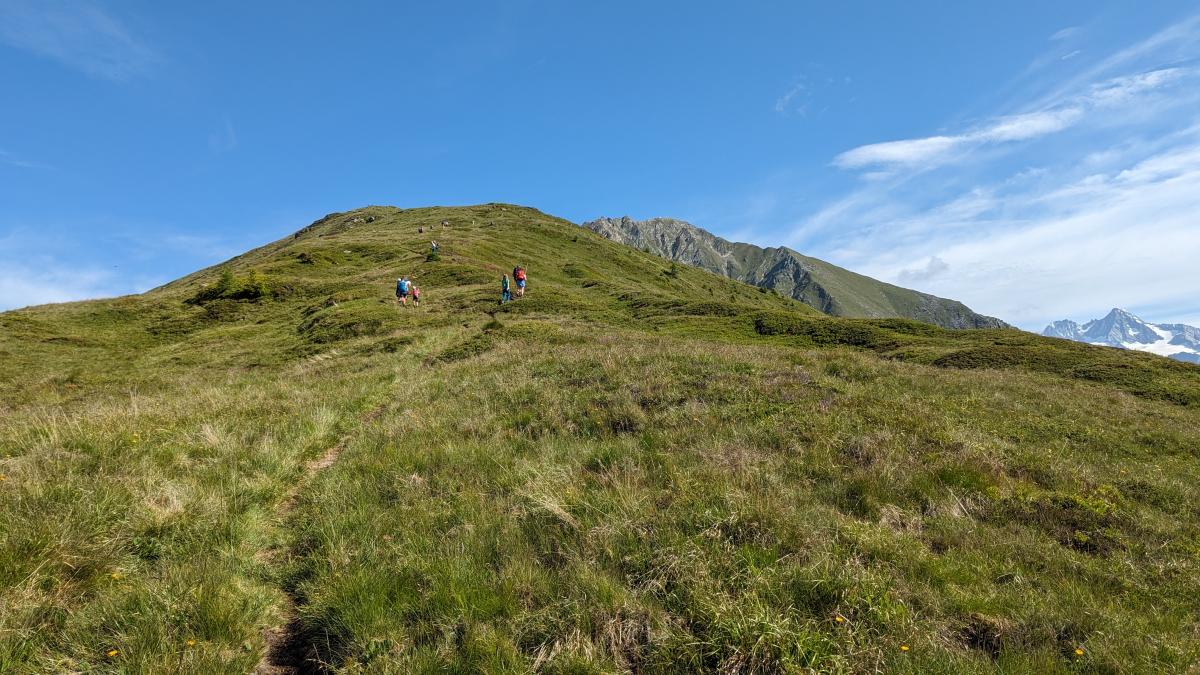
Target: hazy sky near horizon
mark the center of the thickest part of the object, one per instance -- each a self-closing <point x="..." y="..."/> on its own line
<point x="1035" y="160"/>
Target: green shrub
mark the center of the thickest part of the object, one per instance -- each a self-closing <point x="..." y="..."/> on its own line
<point x="823" y="331"/>
<point x="229" y="286"/>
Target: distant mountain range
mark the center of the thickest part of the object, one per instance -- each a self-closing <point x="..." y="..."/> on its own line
<point x="827" y="287"/>
<point x="1126" y="331"/>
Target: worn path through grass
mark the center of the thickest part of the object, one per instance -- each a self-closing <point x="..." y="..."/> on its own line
<point x="289" y="648"/>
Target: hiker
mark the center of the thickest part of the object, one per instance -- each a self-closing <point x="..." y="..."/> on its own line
<point x="402" y="286"/>
<point x="416" y="293"/>
<point x="433" y="247"/>
<point x="505" y="293"/>
<point x="519" y="275"/>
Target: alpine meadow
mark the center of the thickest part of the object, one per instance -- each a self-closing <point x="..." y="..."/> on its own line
<point x="639" y="466"/>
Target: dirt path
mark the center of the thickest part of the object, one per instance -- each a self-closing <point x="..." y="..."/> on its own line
<point x="290" y="649"/>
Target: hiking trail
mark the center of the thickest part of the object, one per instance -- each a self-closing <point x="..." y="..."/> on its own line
<point x="290" y="650"/>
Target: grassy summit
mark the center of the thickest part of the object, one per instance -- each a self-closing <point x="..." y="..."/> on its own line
<point x="638" y="466"/>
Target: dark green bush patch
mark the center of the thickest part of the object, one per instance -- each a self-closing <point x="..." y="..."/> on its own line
<point x="252" y="286"/>
<point x="1085" y="523"/>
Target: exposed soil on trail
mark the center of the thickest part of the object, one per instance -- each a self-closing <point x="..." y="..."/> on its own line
<point x="290" y="647"/>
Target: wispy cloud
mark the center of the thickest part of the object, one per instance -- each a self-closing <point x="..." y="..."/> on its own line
<point x="1065" y="33"/>
<point x="9" y="159"/>
<point x="785" y="103"/>
<point x="1037" y="246"/>
<point x="44" y="281"/>
<point x="1099" y="212"/>
<point x="79" y="34"/>
<point x="46" y="262"/>
<point x="934" y="150"/>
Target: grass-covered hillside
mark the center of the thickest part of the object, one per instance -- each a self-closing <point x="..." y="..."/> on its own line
<point x="268" y="466"/>
<point x="827" y="287"/>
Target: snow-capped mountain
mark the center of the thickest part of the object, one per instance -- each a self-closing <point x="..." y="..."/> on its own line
<point x="1124" y="330"/>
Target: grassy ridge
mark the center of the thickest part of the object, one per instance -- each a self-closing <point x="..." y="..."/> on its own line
<point x="638" y="466"/>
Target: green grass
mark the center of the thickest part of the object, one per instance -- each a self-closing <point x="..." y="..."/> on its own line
<point x="636" y="467"/>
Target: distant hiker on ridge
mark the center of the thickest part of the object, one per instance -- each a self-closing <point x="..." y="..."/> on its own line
<point x="519" y="275"/>
<point x="433" y="247"/>
<point x="505" y="293"/>
<point x="402" y="286"/>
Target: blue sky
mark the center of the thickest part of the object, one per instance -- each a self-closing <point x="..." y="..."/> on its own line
<point x="1035" y="160"/>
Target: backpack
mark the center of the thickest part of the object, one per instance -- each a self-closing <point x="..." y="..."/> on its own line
<point x="403" y="285"/>
<point x="520" y="274"/>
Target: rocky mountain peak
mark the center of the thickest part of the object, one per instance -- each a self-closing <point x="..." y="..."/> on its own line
<point x="814" y="282"/>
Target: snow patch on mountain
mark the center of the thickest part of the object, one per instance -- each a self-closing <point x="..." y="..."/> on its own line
<point x="1126" y="331"/>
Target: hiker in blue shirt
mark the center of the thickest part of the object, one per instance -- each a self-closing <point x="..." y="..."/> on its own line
<point x="402" y="286"/>
<point x="505" y="292"/>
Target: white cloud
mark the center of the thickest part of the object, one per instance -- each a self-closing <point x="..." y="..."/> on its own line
<point x="1066" y="33"/>
<point x="47" y="262"/>
<point x="1126" y="89"/>
<point x="78" y="34"/>
<point x="1125" y="238"/>
<point x="1028" y="125"/>
<point x="1106" y="216"/>
<point x="913" y="151"/>
<point x="46" y="281"/>
<point x="936" y="150"/>
<point x="934" y="268"/>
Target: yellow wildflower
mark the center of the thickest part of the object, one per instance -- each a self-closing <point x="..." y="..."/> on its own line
<point x="191" y="643"/>
<point x="115" y="575"/>
<point x="839" y="619"/>
<point x="903" y="648"/>
<point x="1079" y="651"/>
<point x="112" y="652"/>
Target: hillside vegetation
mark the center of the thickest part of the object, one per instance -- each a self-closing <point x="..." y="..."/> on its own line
<point x="639" y="466"/>
<point x="816" y="283"/>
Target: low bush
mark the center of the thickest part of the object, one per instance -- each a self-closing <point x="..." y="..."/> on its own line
<point x="229" y="286"/>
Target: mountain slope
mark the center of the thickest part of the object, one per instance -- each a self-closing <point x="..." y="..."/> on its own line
<point x="1125" y="331"/>
<point x="637" y="467"/>
<point x="814" y="282"/>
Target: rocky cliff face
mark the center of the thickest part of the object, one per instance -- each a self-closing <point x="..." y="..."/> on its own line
<point x="829" y="288"/>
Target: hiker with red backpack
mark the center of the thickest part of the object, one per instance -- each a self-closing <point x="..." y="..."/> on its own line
<point x="519" y="276"/>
